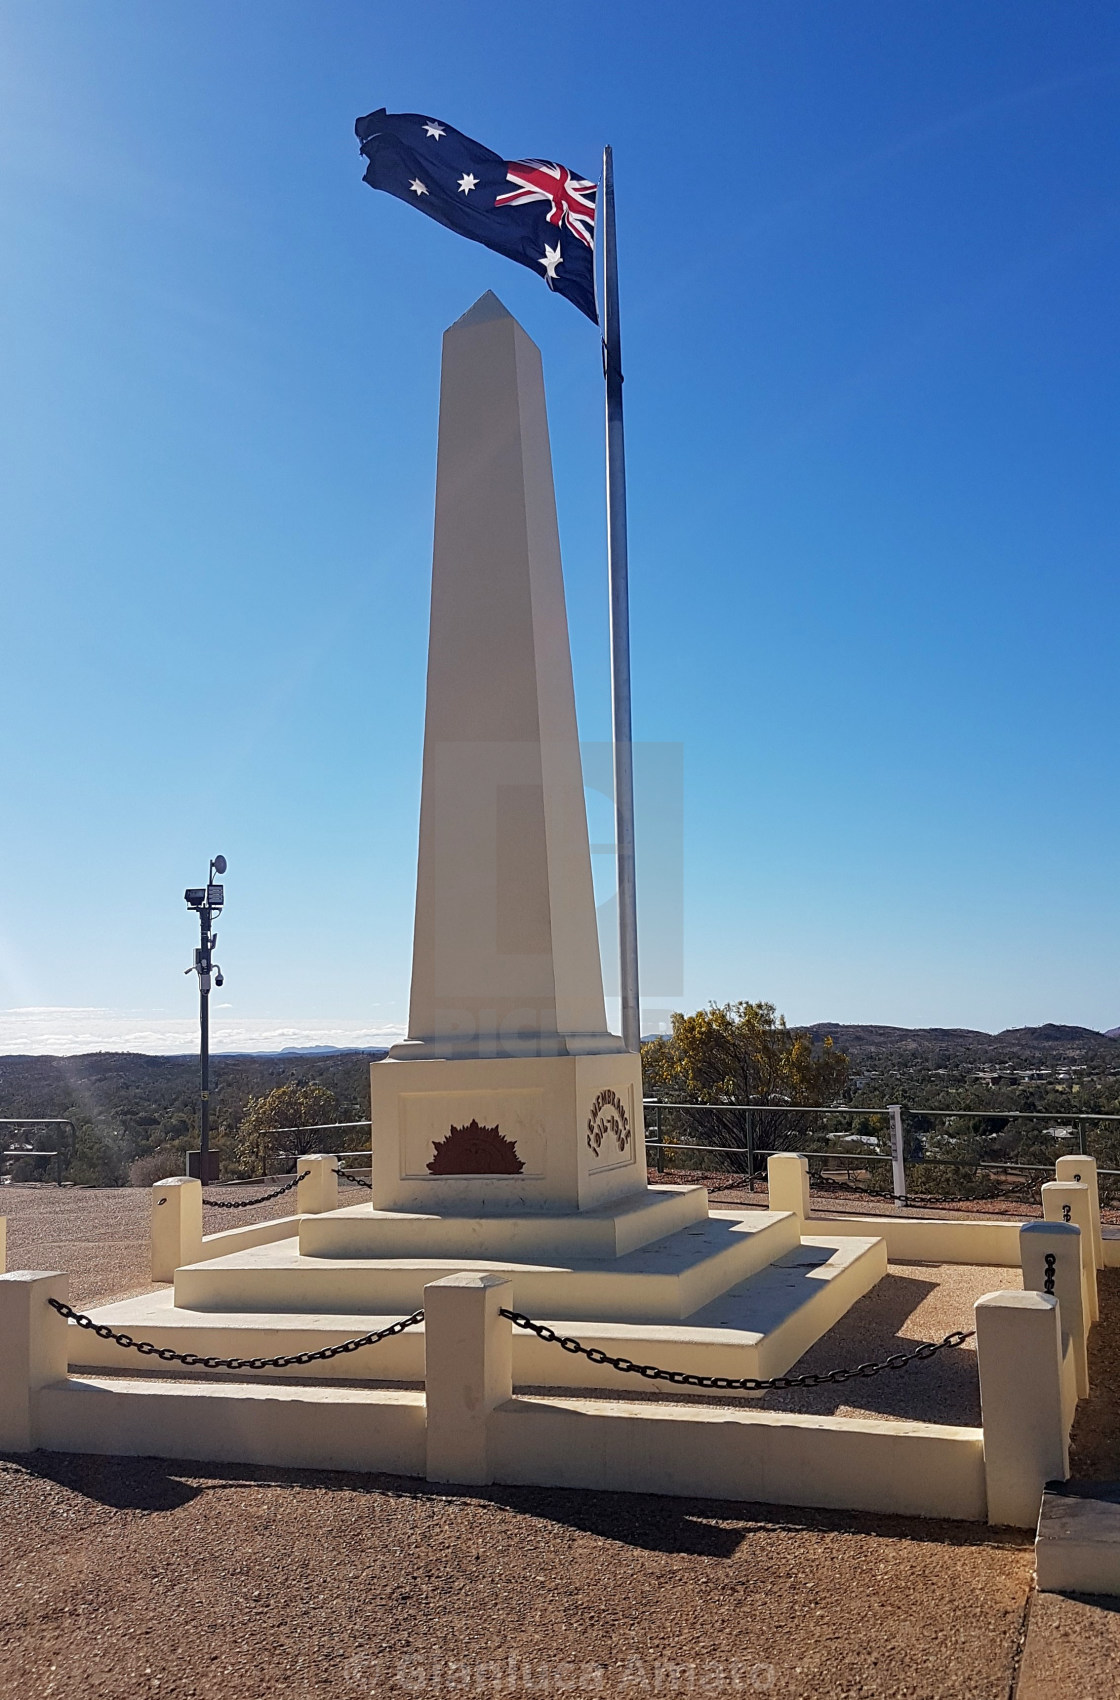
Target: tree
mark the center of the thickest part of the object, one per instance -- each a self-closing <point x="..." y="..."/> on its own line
<point x="296" y="1110"/>
<point x="735" y="1054"/>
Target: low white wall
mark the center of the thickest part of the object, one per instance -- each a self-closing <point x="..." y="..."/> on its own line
<point x="914" y="1469"/>
<point x="329" y="1428"/>
<point x="254" y="1233"/>
<point x="919" y="1240"/>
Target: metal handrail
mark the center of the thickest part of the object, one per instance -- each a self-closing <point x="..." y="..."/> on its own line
<point x="872" y="1110"/>
<point x="1076" y="1119"/>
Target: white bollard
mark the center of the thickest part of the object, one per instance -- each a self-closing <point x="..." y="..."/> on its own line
<point x="787" y="1181"/>
<point x="176" y="1225"/>
<point x="34" y="1350"/>
<point x="319" y="1192"/>
<point x="1068" y="1201"/>
<point x="1078" y="1169"/>
<point x="1051" y="1257"/>
<point x="1019" y="1355"/>
<point x="468" y="1369"/>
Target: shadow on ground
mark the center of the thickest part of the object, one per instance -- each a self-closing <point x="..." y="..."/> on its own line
<point x="650" y="1522"/>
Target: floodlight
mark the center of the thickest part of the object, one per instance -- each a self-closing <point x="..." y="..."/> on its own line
<point x="195" y="895"/>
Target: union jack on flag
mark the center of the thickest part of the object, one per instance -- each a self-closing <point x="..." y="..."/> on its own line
<point x="545" y="221"/>
<point x="571" y="199"/>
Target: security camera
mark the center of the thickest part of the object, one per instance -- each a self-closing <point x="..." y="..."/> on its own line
<point x="219" y="978"/>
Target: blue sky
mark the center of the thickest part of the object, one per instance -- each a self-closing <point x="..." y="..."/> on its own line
<point x="869" y="271"/>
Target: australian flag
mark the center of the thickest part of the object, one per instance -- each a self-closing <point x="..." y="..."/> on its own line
<point x="531" y="210"/>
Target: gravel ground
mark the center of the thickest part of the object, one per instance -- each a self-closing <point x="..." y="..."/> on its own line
<point x="133" y="1577"/>
<point x="100" y="1235"/>
<point x="837" y="1201"/>
<point x="1095" y="1441"/>
<point x="127" y="1578"/>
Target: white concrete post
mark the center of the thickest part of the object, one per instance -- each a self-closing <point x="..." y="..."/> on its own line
<point x="319" y="1191"/>
<point x="1068" y="1201"/>
<point x="176" y="1225"/>
<point x="1051" y="1258"/>
<point x="468" y="1369"/>
<point x="787" y="1181"/>
<point x="1019" y="1354"/>
<point x="1078" y="1169"/>
<point x="898" y="1163"/>
<point x="33" y="1351"/>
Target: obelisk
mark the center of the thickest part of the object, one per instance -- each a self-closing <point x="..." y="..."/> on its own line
<point x="507" y="1033"/>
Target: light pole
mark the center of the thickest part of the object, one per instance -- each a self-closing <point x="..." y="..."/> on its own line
<point x="207" y="902"/>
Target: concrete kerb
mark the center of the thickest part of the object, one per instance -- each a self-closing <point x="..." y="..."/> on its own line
<point x="787" y="1183"/>
<point x="177" y="1236"/>
<point x="318" y="1189"/>
<point x="1051" y="1258"/>
<point x="1079" y="1170"/>
<point x="1026" y="1438"/>
<point x="1070" y="1201"/>
<point x="475" y="1431"/>
<point x="176" y="1225"/>
<point x="34" y="1351"/>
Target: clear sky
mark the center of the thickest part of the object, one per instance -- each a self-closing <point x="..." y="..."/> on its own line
<point x="869" y="281"/>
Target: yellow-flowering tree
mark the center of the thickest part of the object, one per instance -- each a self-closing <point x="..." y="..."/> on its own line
<point x="735" y="1054"/>
<point x="283" y="1119"/>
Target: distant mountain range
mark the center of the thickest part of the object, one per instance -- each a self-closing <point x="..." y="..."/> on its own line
<point x="1051" y="1042"/>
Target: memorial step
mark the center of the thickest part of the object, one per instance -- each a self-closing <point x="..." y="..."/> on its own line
<point x="760" y="1327"/>
<point x="664" y="1281"/>
<point x="609" y="1232"/>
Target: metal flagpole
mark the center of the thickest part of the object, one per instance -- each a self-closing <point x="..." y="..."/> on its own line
<point x="617" y="569"/>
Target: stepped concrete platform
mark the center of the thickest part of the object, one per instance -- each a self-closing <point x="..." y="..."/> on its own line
<point x="664" y="1281"/>
<point x="609" y="1232"/>
<point x="759" y="1327"/>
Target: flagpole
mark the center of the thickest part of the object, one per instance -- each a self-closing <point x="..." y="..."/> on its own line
<point x="617" y="572"/>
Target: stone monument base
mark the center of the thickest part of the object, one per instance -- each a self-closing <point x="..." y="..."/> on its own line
<point x="507" y="1136"/>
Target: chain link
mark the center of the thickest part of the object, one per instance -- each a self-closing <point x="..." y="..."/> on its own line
<point x="247" y="1203"/>
<point x="648" y="1372"/>
<point x="193" y="1361"/>
<point x="743" y="1384"/>
<point x="1024" y="1193"/>
<point x="352" y="1180"/>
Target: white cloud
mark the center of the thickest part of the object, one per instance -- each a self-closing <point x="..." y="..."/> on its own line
<point x="65" y="1032"/>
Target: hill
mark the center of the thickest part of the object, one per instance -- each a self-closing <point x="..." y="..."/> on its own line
<point x="125" y="1105"/>
<point x="1048" y="1045"/>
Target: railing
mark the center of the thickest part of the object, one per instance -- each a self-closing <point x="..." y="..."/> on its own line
<point x="36" y="1121"/>
<point x="893" y="1114"/>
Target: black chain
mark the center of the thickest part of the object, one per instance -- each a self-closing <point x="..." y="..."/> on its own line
<point x="247" y="1203"/>
<point x="193" y="1360"/>
<point x="743" y="1384"/>
<point x="924" y="1200"/>
<point x="352" y="1179"/>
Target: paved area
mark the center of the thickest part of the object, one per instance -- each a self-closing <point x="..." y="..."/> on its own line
<point x="127" y="1578"/>
<point x="1072" y="1650"/>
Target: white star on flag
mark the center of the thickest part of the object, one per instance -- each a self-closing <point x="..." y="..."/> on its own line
<point x="417" y="187"/>
<point x="551" y="258"/>
<point x="434" y="129"/>
<point x="467" y="182"/>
